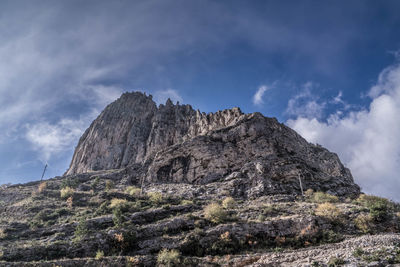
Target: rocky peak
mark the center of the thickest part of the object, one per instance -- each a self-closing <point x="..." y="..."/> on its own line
<point x="171" y="143"/>
<point x="132" y="128"/>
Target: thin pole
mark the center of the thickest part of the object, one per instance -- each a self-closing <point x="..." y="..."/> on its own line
<point x="45" y="167"/>
<point x="301" y="185"/>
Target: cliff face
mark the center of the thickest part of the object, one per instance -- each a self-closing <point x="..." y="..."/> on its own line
<point x="176" y="144"/>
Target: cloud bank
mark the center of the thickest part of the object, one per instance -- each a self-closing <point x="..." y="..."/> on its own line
<point x="367" y="141"/>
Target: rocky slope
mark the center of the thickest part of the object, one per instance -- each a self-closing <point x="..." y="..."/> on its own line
<point x="171" y="186"/>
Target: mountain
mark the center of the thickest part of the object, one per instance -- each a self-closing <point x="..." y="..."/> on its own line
<point x="176" y="144"/>
<point x="170" y="186"/>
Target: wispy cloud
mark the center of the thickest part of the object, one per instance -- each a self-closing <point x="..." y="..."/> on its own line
<point x="51" y="139"/>
<point x="258" y="96"/>
<point x="367" y="140"/>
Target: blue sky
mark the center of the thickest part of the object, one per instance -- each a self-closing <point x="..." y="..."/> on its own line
<point x="329" y="69"/>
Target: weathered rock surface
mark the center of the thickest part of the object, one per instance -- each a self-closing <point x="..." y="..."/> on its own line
<point x="176" y="144"/>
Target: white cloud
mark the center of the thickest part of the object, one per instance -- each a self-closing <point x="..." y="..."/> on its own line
<point x="161" y="96"/>
<point x="258" y="96"/>
<point x="305" y="104"/>
<point x="367" y="141"/>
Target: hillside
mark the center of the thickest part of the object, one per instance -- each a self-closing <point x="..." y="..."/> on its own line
<point x="171" y="186"/>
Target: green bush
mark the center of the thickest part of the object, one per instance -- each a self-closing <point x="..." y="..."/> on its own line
<point x="215" y="213"/>
<point x="169" y="258"/>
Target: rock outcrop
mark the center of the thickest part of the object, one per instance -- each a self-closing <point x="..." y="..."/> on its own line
<point x="176" y="144"/>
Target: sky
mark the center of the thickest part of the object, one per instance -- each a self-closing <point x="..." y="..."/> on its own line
<point x="328" y="69"/>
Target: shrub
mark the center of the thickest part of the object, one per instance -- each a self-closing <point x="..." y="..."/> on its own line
<point x="66" y="192"/>
<point x="228" y="203"/>
<point x="215" y="213"/>
<point x="358" y="252"/>
<point x="95" y="183"/>
<point x="329" y="211"/>
<point x="42" y="186"/>
<point x="68" y="182"/>
<point x="187" y="202"/>
<point x="81" y="229"/>
<point x="109" y="185"/>
<point x="169" y="258"/>
<point x="133" y="191"/>
<point x="118" y="218"/>
<point x="309" y="193"/>
<point x="118" y="203"/>
<point x="321" y="197"/>
<point x="70" y="202"/>
<point x="379" y="208"/>
<point x="364" y="223"/>
<point x="99" y="254"/>
<point x="155" y="197"/>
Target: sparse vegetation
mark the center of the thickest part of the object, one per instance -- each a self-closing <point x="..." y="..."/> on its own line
<point x="215" y="213"/>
